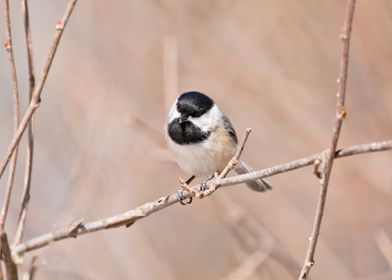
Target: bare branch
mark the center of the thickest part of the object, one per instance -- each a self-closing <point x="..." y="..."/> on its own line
<point x="340" y="116"/>
<point x="9" y="47"/>
<point x="353" y="150"/>
<point x="30" y="129"/>
<point x="130" y="217"/>
<point x="36" y="97"/>
<point x="11" y="270"/>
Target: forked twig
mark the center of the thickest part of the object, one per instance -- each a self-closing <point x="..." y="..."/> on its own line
<point x="36" y="97"/>
<point x="340" y="116"/>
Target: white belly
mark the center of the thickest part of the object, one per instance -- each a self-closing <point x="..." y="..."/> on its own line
<point x="203" y="159"/>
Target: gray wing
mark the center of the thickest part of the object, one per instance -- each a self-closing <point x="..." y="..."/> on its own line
<point x="229" y="128"/>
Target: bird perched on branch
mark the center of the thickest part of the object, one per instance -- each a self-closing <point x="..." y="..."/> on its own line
<point x="203" y="140"/>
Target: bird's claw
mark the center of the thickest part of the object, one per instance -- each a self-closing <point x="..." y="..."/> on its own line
<point x="203" y="185"/>
<point x="182" y="198"/>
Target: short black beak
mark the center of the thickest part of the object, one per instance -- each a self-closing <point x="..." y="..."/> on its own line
<point x="183" y="118"/>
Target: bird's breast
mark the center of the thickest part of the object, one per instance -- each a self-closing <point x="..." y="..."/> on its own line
<point x="204" y="157"/>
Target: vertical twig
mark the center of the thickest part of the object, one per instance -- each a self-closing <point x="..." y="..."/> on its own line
<point x="8" y="46"/>
<point x="341" y="113"/>
<point x="11" y="270"/>
<point x="36" y="97"/>
<point x="30" y="144"/>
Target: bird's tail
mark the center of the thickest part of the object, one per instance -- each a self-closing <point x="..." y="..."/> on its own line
<point x="258" y="185"/>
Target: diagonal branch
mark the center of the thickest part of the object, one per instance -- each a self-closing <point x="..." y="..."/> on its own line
<point x="130" y="217"/>
<point x="30" y="132"/>
<point x="36" y="98"/>
<point x="340" y="116"/>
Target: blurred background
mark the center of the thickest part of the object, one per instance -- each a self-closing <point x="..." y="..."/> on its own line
<point x="270" y="65"/>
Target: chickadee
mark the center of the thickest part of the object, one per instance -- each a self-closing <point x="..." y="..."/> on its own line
<point x="202" y="139"/>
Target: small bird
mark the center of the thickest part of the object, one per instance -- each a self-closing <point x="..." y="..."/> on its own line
<point x="203" y="140"/>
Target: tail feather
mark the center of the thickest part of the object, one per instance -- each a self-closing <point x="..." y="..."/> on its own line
<point x="258" y="185"/>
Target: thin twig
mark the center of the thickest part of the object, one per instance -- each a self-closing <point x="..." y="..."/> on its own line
<point x="11" y="270"/>
<point x="340" y="116"/>
<point x="36" y="98"/>
<point x="30" y="129"/>
<point x="130" y="217"/>
<point x="353" y="150"/>
<point x="184" y="185"/>
<point x="11" y="175"/>
<point x="7" y="196"/>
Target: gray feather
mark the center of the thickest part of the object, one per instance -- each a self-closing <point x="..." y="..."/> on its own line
<point x="229" y="128"/>
<point x="258" y="185"/>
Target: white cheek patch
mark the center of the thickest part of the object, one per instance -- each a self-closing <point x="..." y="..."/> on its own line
<point x="173" y="112"/>
<point x="209" y="120"/>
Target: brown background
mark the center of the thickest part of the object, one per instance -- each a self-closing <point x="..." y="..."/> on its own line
<point x="270" y="65"/>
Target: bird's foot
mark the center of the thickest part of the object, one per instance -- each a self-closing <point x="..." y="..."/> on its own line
<point x="203" y="185"/>
<point x="182" y="197"/>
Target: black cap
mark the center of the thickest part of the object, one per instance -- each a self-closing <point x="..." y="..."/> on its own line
<point x="194" y="103"/>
